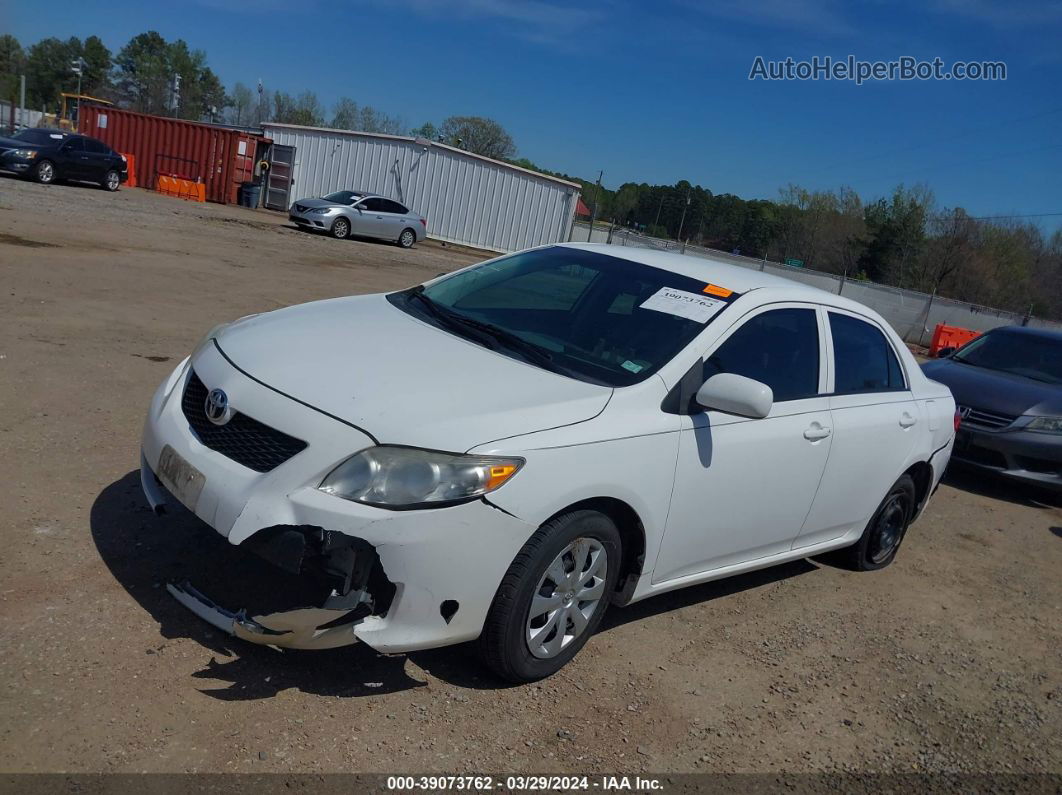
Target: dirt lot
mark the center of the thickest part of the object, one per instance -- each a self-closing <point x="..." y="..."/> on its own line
<point x="947" y="661"/>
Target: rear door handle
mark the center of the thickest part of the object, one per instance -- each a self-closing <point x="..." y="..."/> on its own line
<point x="906" y="420"/>
<point x="816" y="432"/>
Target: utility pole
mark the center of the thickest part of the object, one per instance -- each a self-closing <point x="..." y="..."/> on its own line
<point x="77" y="66"/>
<point x="261" y="116"/>
<point x="682" y="222"/>
<point x="597" y="201"/>
<point x="176" y="94"/>
<point x="22" y="102"/>
<point x="659" y="207"/>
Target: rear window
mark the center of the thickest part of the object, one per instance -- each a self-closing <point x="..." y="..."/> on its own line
<point x="863" y="359"/>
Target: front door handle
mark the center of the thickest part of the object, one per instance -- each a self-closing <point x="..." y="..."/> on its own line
<point x="906" y="420"/>
<point x="816" y="432"/>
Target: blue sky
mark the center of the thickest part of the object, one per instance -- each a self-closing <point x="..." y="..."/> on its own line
<point x="659" y="91"/>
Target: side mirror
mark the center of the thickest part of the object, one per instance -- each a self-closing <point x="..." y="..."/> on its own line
<point x="736" y="394"/>
<point x="945" y="353"/>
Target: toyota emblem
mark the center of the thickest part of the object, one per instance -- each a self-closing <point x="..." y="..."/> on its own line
<point x="217" y="407"/>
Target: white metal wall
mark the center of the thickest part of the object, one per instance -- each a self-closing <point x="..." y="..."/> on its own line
<point x="467" y="199"/>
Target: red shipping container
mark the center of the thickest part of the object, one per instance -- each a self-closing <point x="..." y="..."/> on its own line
<point x="218" y="157"/>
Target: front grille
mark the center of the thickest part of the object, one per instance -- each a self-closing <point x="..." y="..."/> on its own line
<point x="246" y="441"/>
<point x="984" y="419"/>
<point x="300" y="208"/>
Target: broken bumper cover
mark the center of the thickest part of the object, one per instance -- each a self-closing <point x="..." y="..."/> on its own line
<point x="300" y="628"/>
<point x="424" y="560"/>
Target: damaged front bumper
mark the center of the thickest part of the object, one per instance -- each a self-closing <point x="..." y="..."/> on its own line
<point x="396" y="580"/>
<point x="300" y="628"/>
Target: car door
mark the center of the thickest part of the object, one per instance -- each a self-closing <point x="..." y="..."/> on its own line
<point x="394" y="219"/>
<point x="743" y="486"/>
<point x="72" y="158"/>
<point x="97" y="161"/>
<point x="874" y="417"/>
<point x="368" y="218"/>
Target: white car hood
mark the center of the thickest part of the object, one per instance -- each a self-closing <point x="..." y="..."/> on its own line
<point x="400" y="379"/>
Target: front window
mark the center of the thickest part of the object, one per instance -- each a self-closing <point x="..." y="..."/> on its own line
<point x="586" y="315"/>
<point x="779" y="348"/>
<point x="1038" y="358"/>
<point x="347" y="197"/>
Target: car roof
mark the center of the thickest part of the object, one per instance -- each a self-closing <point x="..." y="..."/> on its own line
<point x="1032" y="331"/>
<point x="724" y="274"/>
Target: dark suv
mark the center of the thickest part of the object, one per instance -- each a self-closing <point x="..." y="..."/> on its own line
<point x="47" y="155"/>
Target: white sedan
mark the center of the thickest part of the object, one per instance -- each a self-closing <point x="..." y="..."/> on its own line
<point x="502" y="452"/>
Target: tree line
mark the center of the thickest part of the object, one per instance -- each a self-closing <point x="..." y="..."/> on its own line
<point x="904" y="239"/>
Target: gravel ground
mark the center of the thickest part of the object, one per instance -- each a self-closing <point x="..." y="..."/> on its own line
<point x="948" y="661"/>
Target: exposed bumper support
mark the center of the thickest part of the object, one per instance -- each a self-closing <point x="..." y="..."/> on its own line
<point x="293" y="629"/>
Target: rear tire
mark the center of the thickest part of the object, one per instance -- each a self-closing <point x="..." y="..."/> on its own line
<point x="340" y="229"/>
<point x="111" y="180"/>
<point x="883" y="535"/>
<point x="553" y="596"/>
<point x="407" y="238"/>
<point x="44" y="172"/>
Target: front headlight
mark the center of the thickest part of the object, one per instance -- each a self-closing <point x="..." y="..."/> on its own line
<point x="322" y="210"/>
<point x="25" y="154"/>
<point x="406" y="477"/>
<point x="1045" y="424"/>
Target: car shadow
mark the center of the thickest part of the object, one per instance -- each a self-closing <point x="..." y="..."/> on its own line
<point x="144" y="552"/>
<point x="351" y="237"/>
<point x="985" y="484"/>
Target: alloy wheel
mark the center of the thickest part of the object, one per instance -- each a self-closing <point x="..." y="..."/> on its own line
<point x="45" y="172"/>
<point x="567" y="596"/>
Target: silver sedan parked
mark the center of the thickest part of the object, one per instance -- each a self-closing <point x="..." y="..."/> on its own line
<point x="350" y="212"/>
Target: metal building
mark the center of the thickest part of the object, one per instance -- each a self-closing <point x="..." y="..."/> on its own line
<point x="467" y="199"/>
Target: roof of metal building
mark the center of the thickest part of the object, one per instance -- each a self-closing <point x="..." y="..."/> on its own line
<point x="409" y="139"/>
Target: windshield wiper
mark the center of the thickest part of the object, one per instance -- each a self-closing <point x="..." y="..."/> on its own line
<point x="486" y="332"/>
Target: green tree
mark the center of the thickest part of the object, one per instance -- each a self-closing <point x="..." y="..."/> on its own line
<point x="427" y="130"/>
<point x="49" y="72"/>
<point x="143" y="73"/>
<point x="480" y="135"/>
<point x="12" y="63"/>
<point x="96" y="77"/>
<point x="241" y="104"/>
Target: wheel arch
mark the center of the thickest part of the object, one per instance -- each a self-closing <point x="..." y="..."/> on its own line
<point x="921" y="473"/>
<point x="632" y="533"/>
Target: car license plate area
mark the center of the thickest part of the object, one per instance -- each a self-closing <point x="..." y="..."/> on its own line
<point x="184" y="481"/>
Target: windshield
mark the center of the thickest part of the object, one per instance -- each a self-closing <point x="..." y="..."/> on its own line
<point x="38" y="136"/>
<point x="343" y="197"/>
<point x="1039" y="358"/>
<point x="587" y="315"/>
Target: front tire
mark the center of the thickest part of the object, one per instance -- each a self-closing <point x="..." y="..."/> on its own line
<point x="407" y="238"/>
<point x="44" y="172"/>
<point x="340" y="229"/>
<point x="553" y="596"/>
<point x="881" y="539"/>
<point x="111" y="180"/>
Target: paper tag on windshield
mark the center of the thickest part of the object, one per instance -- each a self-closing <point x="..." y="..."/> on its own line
<point x="700" y="308"/>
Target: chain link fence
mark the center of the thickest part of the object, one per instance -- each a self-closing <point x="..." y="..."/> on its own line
<point x="913" y="314"/>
